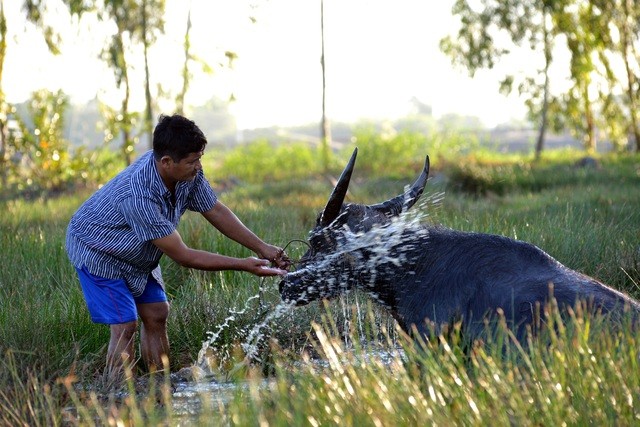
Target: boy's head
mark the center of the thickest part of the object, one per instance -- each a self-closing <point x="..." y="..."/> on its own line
<point x="177" y="137"/>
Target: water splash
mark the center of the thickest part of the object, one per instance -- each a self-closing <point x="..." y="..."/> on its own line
<point x="255" y="337"/>
<point x="213" y="336"/>
<point x="392" y="243"/>
<point x="359" y="257"/>
<point x="210" y="358"/>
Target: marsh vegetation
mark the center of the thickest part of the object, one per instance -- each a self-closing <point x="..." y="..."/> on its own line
<point x="342" y="362"/>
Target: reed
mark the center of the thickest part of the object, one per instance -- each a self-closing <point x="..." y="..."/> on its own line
<point x="575" y="373"/>
<point x="51" y="354"/>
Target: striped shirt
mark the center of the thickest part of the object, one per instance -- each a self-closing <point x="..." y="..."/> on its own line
<point x="111" y="232"/>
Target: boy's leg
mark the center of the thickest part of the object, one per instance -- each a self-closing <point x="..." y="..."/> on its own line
<point x="154" y="341"/>
<point x="110" y="302"/>
<point x="153" y="309"/>
<point x="121" y="351"/>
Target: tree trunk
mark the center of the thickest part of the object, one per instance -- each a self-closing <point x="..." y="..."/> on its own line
<point x="545" y="100"/>
<point x="590" y="131"/>
<point x="631" y="78"/>
<point x="3" y="123"/>
<point x="185" y="68"/>
<point x="127" y="143"/>
<point x="148" y="122"/>
<point x="3" y="145"/>
<point x="325" y="128"/>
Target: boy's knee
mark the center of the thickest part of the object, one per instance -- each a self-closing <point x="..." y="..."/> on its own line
<point x="154" y="315"/>
<point x="124" y="331"/>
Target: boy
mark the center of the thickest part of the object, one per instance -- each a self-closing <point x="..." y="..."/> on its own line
<point x="116" y="238"/>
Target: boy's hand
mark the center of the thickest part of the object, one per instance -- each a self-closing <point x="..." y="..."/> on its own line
<point x="260" y="267"/>
<point x="276" y="256"/>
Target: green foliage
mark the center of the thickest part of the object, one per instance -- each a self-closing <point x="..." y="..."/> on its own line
<point x="46" y="147"/>
<point x="39" y="153"/>
<point x="262" y="161"/>
<point x="390" y="152"/>
<point x="381" y="154"/>
<point x="482" y="174"/>
<point x="401" y="154"/>
<point x="125" y="124"/>
<point x="35" y="14"/>
<point x="601" y="102"/>
<point x="90" y="168"/>
<point x="37" y="159"/>
<point x="11" y="136"/>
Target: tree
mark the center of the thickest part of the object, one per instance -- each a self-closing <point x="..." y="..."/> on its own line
<point x="602" y="39"/>
<point x="576" y="21"/>
<point x="152" y="22"/>
<point x="48" y="153"/>
<point x="627" y="19"/>
<point x="137" y="21"/>
<point x="621" y="30"/>
<point x="4" y="108"/>
<point x="325" y="127"/>
<point x="35" y="11"/>
<point x="480" y="43"/>
<point x="189" y="58"/>
<point x="115" y="54"/>
<point x="186" y="75"/>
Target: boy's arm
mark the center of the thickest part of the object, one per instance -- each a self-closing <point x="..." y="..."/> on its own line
<point x="175" y="248"/>
<point x="222" y="218"/>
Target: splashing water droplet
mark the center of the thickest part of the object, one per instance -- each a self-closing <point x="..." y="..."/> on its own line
<point x="392" y="243"/>
<point x="251" y="343"/>
<point x="361" y="253"/>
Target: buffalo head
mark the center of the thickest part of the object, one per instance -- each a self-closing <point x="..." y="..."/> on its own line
<point x="339" y="246"/>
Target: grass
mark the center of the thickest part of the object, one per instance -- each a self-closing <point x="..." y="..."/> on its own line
<point x="51" y="354"/>
<point x="581" y="378"/>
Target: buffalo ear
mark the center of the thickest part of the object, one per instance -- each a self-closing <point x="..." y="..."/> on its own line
<point x="332" y="209"/>
<point x="405" y="201"/>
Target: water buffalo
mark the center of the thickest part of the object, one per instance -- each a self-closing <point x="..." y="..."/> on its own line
<point x="428" y="276"/>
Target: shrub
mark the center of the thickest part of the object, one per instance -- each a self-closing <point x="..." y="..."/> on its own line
<point x="402" y="153"/>
<point x="262" y="161"/>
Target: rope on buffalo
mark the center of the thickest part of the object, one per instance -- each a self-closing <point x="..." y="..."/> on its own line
<point x="293" y="262"/>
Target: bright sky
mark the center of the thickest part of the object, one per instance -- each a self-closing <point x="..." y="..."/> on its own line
<point x="379" y="54"/>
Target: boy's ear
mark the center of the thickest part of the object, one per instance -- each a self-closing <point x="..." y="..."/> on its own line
<point x="166" y="161"/>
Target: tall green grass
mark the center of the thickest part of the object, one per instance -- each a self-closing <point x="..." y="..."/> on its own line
<point x="578" y="374"/>
<point x="51" y="354"/>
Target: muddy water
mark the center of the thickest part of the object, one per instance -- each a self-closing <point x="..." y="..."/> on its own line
<point x="191" y="400"/>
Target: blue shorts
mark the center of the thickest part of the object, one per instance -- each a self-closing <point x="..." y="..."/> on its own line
<point x="110" y="301"/>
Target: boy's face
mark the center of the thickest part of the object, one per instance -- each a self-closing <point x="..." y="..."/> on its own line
<point x="186" y="169"/>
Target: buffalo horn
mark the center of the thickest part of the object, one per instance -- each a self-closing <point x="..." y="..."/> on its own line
<point x="332" y="209"/>
<point x="394" y="206"/>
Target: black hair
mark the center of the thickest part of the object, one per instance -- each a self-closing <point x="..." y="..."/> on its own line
<point x="177" y="137"/>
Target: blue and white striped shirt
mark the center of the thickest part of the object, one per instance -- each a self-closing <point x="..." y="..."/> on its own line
<point x="111" y="232"/>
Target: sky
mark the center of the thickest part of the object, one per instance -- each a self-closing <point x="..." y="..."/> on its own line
<point x="379" y="55"/>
